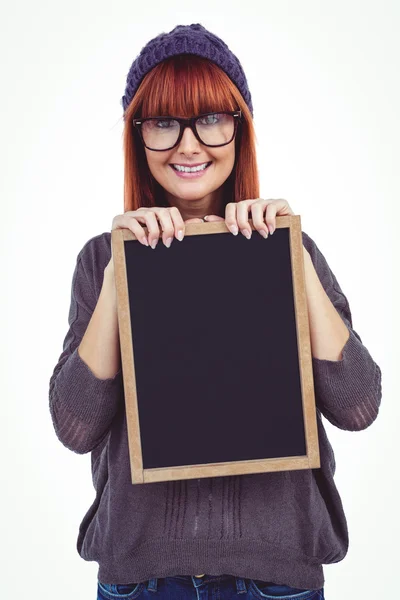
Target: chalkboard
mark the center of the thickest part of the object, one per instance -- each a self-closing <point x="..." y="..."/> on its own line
<point x="216" y="353"/>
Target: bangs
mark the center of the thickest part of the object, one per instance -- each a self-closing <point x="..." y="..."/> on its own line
<point x="186" y="85"/>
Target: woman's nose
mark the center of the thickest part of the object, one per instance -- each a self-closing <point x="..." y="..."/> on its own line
<point x="189" y="142"/>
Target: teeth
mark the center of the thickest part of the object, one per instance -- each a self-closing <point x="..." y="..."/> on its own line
<point x="190" y="169"/>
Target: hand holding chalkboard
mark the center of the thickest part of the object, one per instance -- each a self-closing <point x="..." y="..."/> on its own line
<point x="261" y="211"/>
<point x="171" y="223"/>
<point x="169" y="219"/>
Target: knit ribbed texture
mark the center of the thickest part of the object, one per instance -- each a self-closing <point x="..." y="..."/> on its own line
<point x="347" y="390"/>
<point x="279" y="526"/>
<point x="186" y="39"/>
<point x="86" y="404"/>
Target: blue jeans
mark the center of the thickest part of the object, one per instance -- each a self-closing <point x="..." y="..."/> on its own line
<point x="188" y="587"/>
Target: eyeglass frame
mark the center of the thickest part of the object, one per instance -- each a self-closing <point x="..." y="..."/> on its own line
<point x="190" y="122"/>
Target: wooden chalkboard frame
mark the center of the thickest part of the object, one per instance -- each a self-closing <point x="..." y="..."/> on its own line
<point x="311" y="459"/>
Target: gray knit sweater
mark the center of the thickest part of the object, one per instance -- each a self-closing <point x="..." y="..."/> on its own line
<point x="279" y="526"/>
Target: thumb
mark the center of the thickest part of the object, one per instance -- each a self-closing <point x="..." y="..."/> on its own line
<point x="211" y="218"/>
<point x="193" y="220"/>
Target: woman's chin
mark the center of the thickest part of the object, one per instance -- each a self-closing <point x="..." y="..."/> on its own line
<point x="185" y="193"/>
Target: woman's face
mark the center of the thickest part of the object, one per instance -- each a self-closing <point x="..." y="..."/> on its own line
<point x="195" y="194"/>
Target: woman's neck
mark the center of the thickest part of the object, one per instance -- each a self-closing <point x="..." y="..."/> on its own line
<point x="192" y="209"/>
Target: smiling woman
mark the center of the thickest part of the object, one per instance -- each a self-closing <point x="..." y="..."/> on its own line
<point x="190" y="90"/>
<point x="189" y="147"/>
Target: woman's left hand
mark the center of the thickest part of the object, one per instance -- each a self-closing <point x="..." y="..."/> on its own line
<point x="263" y="213"/>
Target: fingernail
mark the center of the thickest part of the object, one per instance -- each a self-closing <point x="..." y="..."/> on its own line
<point x="180" y="235"/>
<point x="263" y="233"/>
<point x="168" y="242"/>
<point x="153" y="243"/>
<point x="247" y="233"/>
<point x="233" y="229"/>
<point x="271" y="229"/>
<point x="144" y="241"/>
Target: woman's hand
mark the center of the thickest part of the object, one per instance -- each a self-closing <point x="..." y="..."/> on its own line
<point x="169" y="218"/>
<point x="263" y="213"/>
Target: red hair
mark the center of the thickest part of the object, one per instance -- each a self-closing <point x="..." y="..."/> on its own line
<point x="186" y="85"/>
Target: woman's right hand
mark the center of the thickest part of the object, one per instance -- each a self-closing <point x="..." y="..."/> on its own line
<point x="170" y="219"/>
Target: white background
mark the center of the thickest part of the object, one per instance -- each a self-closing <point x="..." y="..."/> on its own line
<point x="324" y="78"/>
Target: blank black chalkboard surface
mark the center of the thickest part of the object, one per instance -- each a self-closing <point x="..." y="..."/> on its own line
<point x="216" y="353"/>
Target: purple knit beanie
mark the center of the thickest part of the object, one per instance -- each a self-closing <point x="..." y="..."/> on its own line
<point x="186" y="39"/>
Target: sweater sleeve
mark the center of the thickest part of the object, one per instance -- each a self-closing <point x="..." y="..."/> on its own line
<point x="82" y="406"/>
<point x="348" y="391"/>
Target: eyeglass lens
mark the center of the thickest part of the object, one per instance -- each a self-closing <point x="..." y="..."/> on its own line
<point x="214" y="129"/>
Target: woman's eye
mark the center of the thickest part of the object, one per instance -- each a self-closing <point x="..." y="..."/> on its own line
<point x="209" y="119"/>
<point x="163" y="124"/>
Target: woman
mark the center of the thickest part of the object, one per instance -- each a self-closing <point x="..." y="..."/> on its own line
<point x="262" y="535"/>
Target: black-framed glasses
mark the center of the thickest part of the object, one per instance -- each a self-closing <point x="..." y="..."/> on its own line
<point x="212" y="129"/>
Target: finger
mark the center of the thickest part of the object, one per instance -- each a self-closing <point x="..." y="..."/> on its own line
<point x="230" y="218"/>
<point x="132" y="223"/>
<point x="153" y="227"/>
<point x="270" y="215"/>
<point x="242" y="217"/>
<point x="280" y="207"/>
<point x="157" y="219"/>
<point x="213" y="218"/>
<point x="178" y="223"/>
<point x="193" y="220"/>
<point x="164" y="226"/>
<point x="168" y="220"/>
<point x="257" y="212"/>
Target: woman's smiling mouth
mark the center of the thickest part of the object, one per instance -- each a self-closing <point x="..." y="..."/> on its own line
<point x="190" y="172"/>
